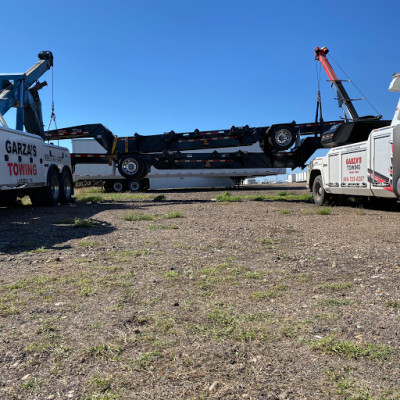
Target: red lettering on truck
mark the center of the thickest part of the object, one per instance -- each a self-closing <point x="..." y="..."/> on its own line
<point x="353" y="160"/>
<point x="18" y="169"/>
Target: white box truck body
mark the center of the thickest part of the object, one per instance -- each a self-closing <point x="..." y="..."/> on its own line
<point x="370" y="168"/>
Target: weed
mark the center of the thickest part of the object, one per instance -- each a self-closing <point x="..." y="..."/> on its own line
<point x="160" y="197"/>
<point x="38" y="250"/>
<point x="146" y="360"/>
<point x="174" y="214"/>
<point x="337" y="302"/>
<point x="105" y="351"/>
<point x="83" y="223"/>
<point x="139" y="217"/>
<point x="284" y="212"/>
<point x="33" y="385"/>
<point x="348" y="349"/>
<point x="271" y="293"/>
<point x="172" y="275"/>
<point x="324" y="211"/>
<point x="393" y="303"/>
<point x="268" y="241"/>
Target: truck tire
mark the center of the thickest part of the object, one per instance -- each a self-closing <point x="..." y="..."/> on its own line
<point x="108" y="186"/>
<point x="281" y="137"/>
<point x="50" y="195"/>
<point x="132" y="167"/>
<point x="118" y="186"/>
<point x="66" y="187"/>
<point x="134" y="185"/>
<point x="320" y="197"/>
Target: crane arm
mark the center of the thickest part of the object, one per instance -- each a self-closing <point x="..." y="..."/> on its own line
<point x="342" y="96"/>
<point x="16" y="91"/>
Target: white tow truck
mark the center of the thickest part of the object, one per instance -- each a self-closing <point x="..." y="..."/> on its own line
<point x="369" y="168"/>
<point x="28" y="165"/>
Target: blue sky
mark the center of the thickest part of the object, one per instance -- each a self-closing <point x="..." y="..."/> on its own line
<point x="153" y="66"/>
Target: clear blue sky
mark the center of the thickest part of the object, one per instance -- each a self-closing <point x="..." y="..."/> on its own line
<point x="152" y="66"/>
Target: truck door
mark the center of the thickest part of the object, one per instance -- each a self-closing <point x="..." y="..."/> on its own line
<point x="380" y="172"/>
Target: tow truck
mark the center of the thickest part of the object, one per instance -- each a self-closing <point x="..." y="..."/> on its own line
<point x="29" y="166"/>
<point x="370" y="168"/>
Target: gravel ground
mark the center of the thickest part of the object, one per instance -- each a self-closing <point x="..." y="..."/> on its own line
<point x="192" y="298"/>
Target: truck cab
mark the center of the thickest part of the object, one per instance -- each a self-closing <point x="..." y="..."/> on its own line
<point x="369" y="168"/>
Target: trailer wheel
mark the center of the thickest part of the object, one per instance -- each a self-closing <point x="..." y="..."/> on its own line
<point x="319" y="195"/>
<point x="118" y="186"/>
<point x="67" y="187"/>
<point x="108" y="187"/>
<point x="135" y="186"/>
<point x="281" y="137"/>
<point x="132" y="167"/>
<point x="50" y="195"/>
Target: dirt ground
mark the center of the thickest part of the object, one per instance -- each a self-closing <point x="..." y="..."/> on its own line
<point x="192" y="298"/>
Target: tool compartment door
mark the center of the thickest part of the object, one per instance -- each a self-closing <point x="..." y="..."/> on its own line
<point x="381" y="171"/>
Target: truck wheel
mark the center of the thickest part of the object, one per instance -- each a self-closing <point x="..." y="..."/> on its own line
<point x="132" y="167"/>
<point x="51" y="193"/>
<point x="67" y="187"/>
<point x="281" y="137"/>
<point x="319" y="195"/>
<point x="118" y="186"/>
<point x="134" y="186"/>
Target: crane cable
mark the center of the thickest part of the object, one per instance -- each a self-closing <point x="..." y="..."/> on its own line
<point x="319" y="102"/>
<point x="53" y="115"/>
<point x="357" y="88"/>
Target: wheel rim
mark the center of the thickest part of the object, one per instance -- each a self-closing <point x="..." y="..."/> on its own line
<point x="134" y="186"/>
<point x="67" y="187"/>
<point x="318" y="190"/>
<point x="117" y="187"/>
<point x="283" y="137"/>
<point x="54" y="187"/>
<point x="129" y="166"/>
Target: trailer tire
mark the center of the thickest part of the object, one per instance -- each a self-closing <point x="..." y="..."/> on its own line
<point x="50" y="195"/>
<point x="67" y="187"/>
<point x="134" y="185"/>
<point x="145" y="184"/>
<point x="132" y="167"/>
<point x="320" y="197"/>
<point x="118" y="186"/>
<point x="281" y="137"/>
<point x="108" y="187"/>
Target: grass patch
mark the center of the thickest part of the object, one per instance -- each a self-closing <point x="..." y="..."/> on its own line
<point x="393" y="303"/>
<point x="160" y="197"/>
<point x="337" y="302"/>
<point x="87" y="198"/>
<point x="284" y="212"/>
<point x="271" y="293"/>
<point x="87" y="243"/>
<point x="348" y="349"/>
<point x="227" y="197"/>
<point x="324" y="211"/>
<point x="83" y="223"/>
<point x="104" y="351"/>
<point x="173" y="214"/>
<point x="139" y="217"/>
